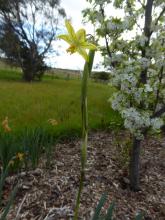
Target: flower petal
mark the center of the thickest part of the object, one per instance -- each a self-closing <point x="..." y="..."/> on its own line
<point x="81" y="34"/>
<point x="70" y="29"/>
<point x="89" y="46"/>
<point x="65" y="38"/>
<point x="83" y="53"/>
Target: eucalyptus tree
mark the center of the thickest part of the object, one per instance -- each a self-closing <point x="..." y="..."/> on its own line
<point x="27" y="30"/>
<point x="134" y="51"/>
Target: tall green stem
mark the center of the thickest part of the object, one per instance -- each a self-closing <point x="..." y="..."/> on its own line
<point x="84" y="113"/>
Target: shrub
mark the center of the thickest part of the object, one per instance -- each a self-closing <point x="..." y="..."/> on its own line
<point x="104" y="76"/>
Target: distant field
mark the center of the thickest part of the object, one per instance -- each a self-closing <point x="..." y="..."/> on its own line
<point x="33" y="104"/>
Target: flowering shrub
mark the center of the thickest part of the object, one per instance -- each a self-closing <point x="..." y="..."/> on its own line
<point x="139" y="98"/>
<point x="134" y="52"/>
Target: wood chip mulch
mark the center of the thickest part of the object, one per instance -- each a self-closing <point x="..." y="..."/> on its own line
<point x="50" y="194"/>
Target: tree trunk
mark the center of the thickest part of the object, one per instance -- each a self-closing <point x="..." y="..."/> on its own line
<point x="28" y="75"/>
<point x="134" y="164"/>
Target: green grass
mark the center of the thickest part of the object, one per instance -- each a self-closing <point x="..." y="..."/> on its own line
<point x="9" y="74"/>
<point x="29" y="106"/>
<point x="32" y="104"/>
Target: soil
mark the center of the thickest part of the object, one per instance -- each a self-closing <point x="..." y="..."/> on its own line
<point x="50" y="193"/>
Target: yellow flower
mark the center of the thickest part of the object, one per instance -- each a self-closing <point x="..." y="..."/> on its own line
<point x="11" y="163"/>
<point x="53" y="121"/>
<point x="20" y="156"/>
<point x="77" y="41"/>
<point x="5" y="125"/>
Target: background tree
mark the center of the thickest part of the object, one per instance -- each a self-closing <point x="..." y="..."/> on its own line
<point x="134" y="51"/>
<point x="27" y="30"/>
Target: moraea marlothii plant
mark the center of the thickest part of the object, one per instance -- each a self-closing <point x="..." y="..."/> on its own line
<point x="78" y="43"/>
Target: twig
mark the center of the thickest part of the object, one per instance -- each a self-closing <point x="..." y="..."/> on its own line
<point x="20" y="207"/>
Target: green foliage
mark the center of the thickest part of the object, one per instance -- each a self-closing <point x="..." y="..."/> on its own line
<point x="109" y="212"/>
<point x="105" y="76"/>
<point x="8" y="74"/>
<point x="101" y="203"/>
<point x="5" y="211"/>
<point x="123" y="148"/>
<point x="32" y="145"/>
<point x="26" y="148"/>
<point x="9" y="204"/>
<point x="35" y="142"/>
<point x="9" y="147"/>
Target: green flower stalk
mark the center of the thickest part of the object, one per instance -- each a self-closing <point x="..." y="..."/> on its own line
<point x="78" y="43"/>
<point x="84" y="111"/>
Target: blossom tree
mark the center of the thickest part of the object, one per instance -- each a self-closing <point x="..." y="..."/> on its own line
<point x="134" y="51"/>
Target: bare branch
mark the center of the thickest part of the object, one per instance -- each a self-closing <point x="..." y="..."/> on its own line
<point x="160" y="15"/>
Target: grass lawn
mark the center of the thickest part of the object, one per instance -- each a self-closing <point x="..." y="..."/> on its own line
<point x="33" y="104"/>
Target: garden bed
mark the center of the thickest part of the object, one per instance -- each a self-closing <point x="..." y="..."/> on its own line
<point x="50" y="193"/>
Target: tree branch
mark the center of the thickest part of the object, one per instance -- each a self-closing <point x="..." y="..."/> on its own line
<point x="159" y="112"/>
<point x="148" y="18"/>
<point x="158" y="90"/>
<point x="106" y="38"/>
<point x="160" y="15"/>
<point x="147" y="34"/>
<point x="143" y="6"/>
<point x="131" y="13"/>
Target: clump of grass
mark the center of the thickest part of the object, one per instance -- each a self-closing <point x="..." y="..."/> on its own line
<point x="25" y="148"/>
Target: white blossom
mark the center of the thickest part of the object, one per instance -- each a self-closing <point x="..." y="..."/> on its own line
<point x="148" y="88"/>
<point x="157" y="123"/>
<point x="144" y="62"/>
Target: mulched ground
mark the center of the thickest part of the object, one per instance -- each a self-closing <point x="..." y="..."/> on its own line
<point x="49" y="194"/>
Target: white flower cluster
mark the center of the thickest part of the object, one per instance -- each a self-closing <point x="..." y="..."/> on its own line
<point x="135" y="121"/>
<point x="134" y="99"/>
<point x="141" y="40"/>
<point x="157" y="123"/>
<point x="118" y="100"/>
<point x="134" y="56"/>
<point x="144" y="62"/>
<point x="127" y="22"/>
<point x="112" y="26"/>
<point x="147" y="88"/>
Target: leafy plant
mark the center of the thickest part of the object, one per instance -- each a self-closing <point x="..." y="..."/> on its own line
<point x="3" y="176"/>
<point x="9" y="204"/>
<point x="109" y="213"/>
<point x="123" y="148"/>
<point x="9" y="145"/>
<point x="32" y="142"/>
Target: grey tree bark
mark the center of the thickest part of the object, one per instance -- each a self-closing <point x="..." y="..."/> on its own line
<point x="134" y="164"/>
